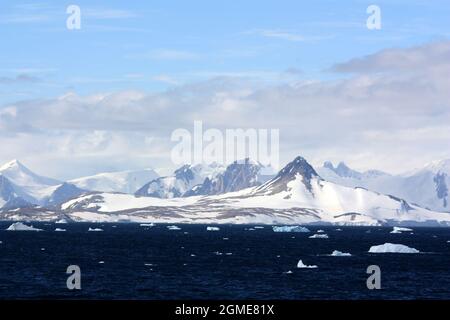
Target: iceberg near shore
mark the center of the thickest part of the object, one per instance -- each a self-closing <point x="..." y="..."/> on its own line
<point x="392" y="248"/>
<point x="19" y="226"/>
<point x="289" y="229"/>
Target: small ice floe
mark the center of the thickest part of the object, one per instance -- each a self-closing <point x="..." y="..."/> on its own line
<point x="217" y="253"/>
<point x="289" y="229"/>
<point x="319" y="236"/>
<point x="101" y="262"/>
<point x="2" y="242"/>
<point x="392" y="248"/>
<point x="193" y="255"/>
<point x="42" y="249"/>
<point x="60" y="230"/>
<point x="212" y="228"/>
<point x="337" y="253"/>
<point x="320" y="231"/>
<point x="368" y="231"/>
<point x="147" y="225"/>
<point x="301" y="265"/>
<point x="258" y="227"/>
<point x="148" y="264"/>
<point x="173" y="228"/>
<point x="250" y="229"/>
<point x="288" y="272"/>
<point x="338" y="229"/>
<point x="228" y="253"/>
<point x="400" y="230"/>
<point x="95" y="230"/>
<point x="113" y="226"/>
<point x="61" y="221"/>
<point x="225" y="239"/>
<point x="448" y="241"/>
<point x="19" y="226"/>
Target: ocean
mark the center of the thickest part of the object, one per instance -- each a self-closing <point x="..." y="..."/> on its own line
<point x="129" y="261"/>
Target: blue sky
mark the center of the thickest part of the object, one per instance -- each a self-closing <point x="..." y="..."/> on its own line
<point x="153" y="45"/>
<point x="147" y="55"/>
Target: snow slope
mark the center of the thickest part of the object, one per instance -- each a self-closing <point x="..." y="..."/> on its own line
<point x="296" y="195"/>
<point x="427" y="187"/>
<point x="123" y="181"/>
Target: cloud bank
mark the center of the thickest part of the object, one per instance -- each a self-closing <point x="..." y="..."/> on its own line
<point x="389" y="110"/>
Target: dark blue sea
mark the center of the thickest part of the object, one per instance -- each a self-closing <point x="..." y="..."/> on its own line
<point x="233" y="263"/>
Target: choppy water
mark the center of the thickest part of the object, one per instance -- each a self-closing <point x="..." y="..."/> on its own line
<point x="192" y="263"/>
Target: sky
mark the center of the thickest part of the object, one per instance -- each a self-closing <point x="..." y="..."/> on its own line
<point x="108" y="96"/>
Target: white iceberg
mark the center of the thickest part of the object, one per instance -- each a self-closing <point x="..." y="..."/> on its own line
<point x="400" y="230"/>
<point x="319" y="236"/>
<point x="147" y="224"/>
<point x="320" y="231"/>
<point x="60" y="230"/>
<point x="337" y="253"/>
<point x="212" y="228"/>
<point x="62" y="221"/>
<point x="95" y="229"/>
<point x="392" y="248"/>
<point x="301" y="265"/>
<point x="173" y="228"/>
<point x="289" y="229"/>
<point x="19" y="226"/>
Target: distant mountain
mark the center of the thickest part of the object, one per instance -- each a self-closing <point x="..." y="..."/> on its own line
<point x="182" y="180"/>
<point x="427" y="186"/>
<point x="30" y="188"/>
<point x="237" y="176"/>
<point x="8" y="197"/>
<point x="63" y="193"/>
<point x="122" y="181"/>
<point x="297" y="194"/>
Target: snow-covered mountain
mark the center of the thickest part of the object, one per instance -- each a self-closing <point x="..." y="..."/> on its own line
<point x="237" y="176"/>
<point x="30" y="188"/>
<point x="182" y="180"/>
<point x="8" y="197"/>
<point x="123" y="181"/>
<point x="297" y="194"/>
<point x="427" y="186"/>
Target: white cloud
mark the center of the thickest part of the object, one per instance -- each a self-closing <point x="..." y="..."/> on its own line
<point x="392" y="120"/>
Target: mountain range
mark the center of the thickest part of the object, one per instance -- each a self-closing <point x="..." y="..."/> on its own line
<point x="237" y="193"/>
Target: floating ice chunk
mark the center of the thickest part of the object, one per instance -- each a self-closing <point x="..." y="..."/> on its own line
<point x="226" y="239"/>
<point x="392" y="248"/>
<point x="19" y="226"/>
<point x="289" y="272"/>
<point x="101" y="262"/>
<point x="212" y="228"/>
<point x="301" y="265"/>
<point x="400" y="230"/>
<point x="173" y="228"/>
<point x="337" y="253"/>
<point x="338" y="229"/>
<point x="42" y="249"/>
<point x="147" y="224"/>
<point x="320" y="231"/>
<point x="61" y="221"/>
<point x="319" y="236"/>
<point x="95" y="229"/>
<point x="60" y="230"/>
<point x="217" y="253"/>
<point x="229" y="253"/>
<point x="258" y="227"/>
<point x="289" y="229"/>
